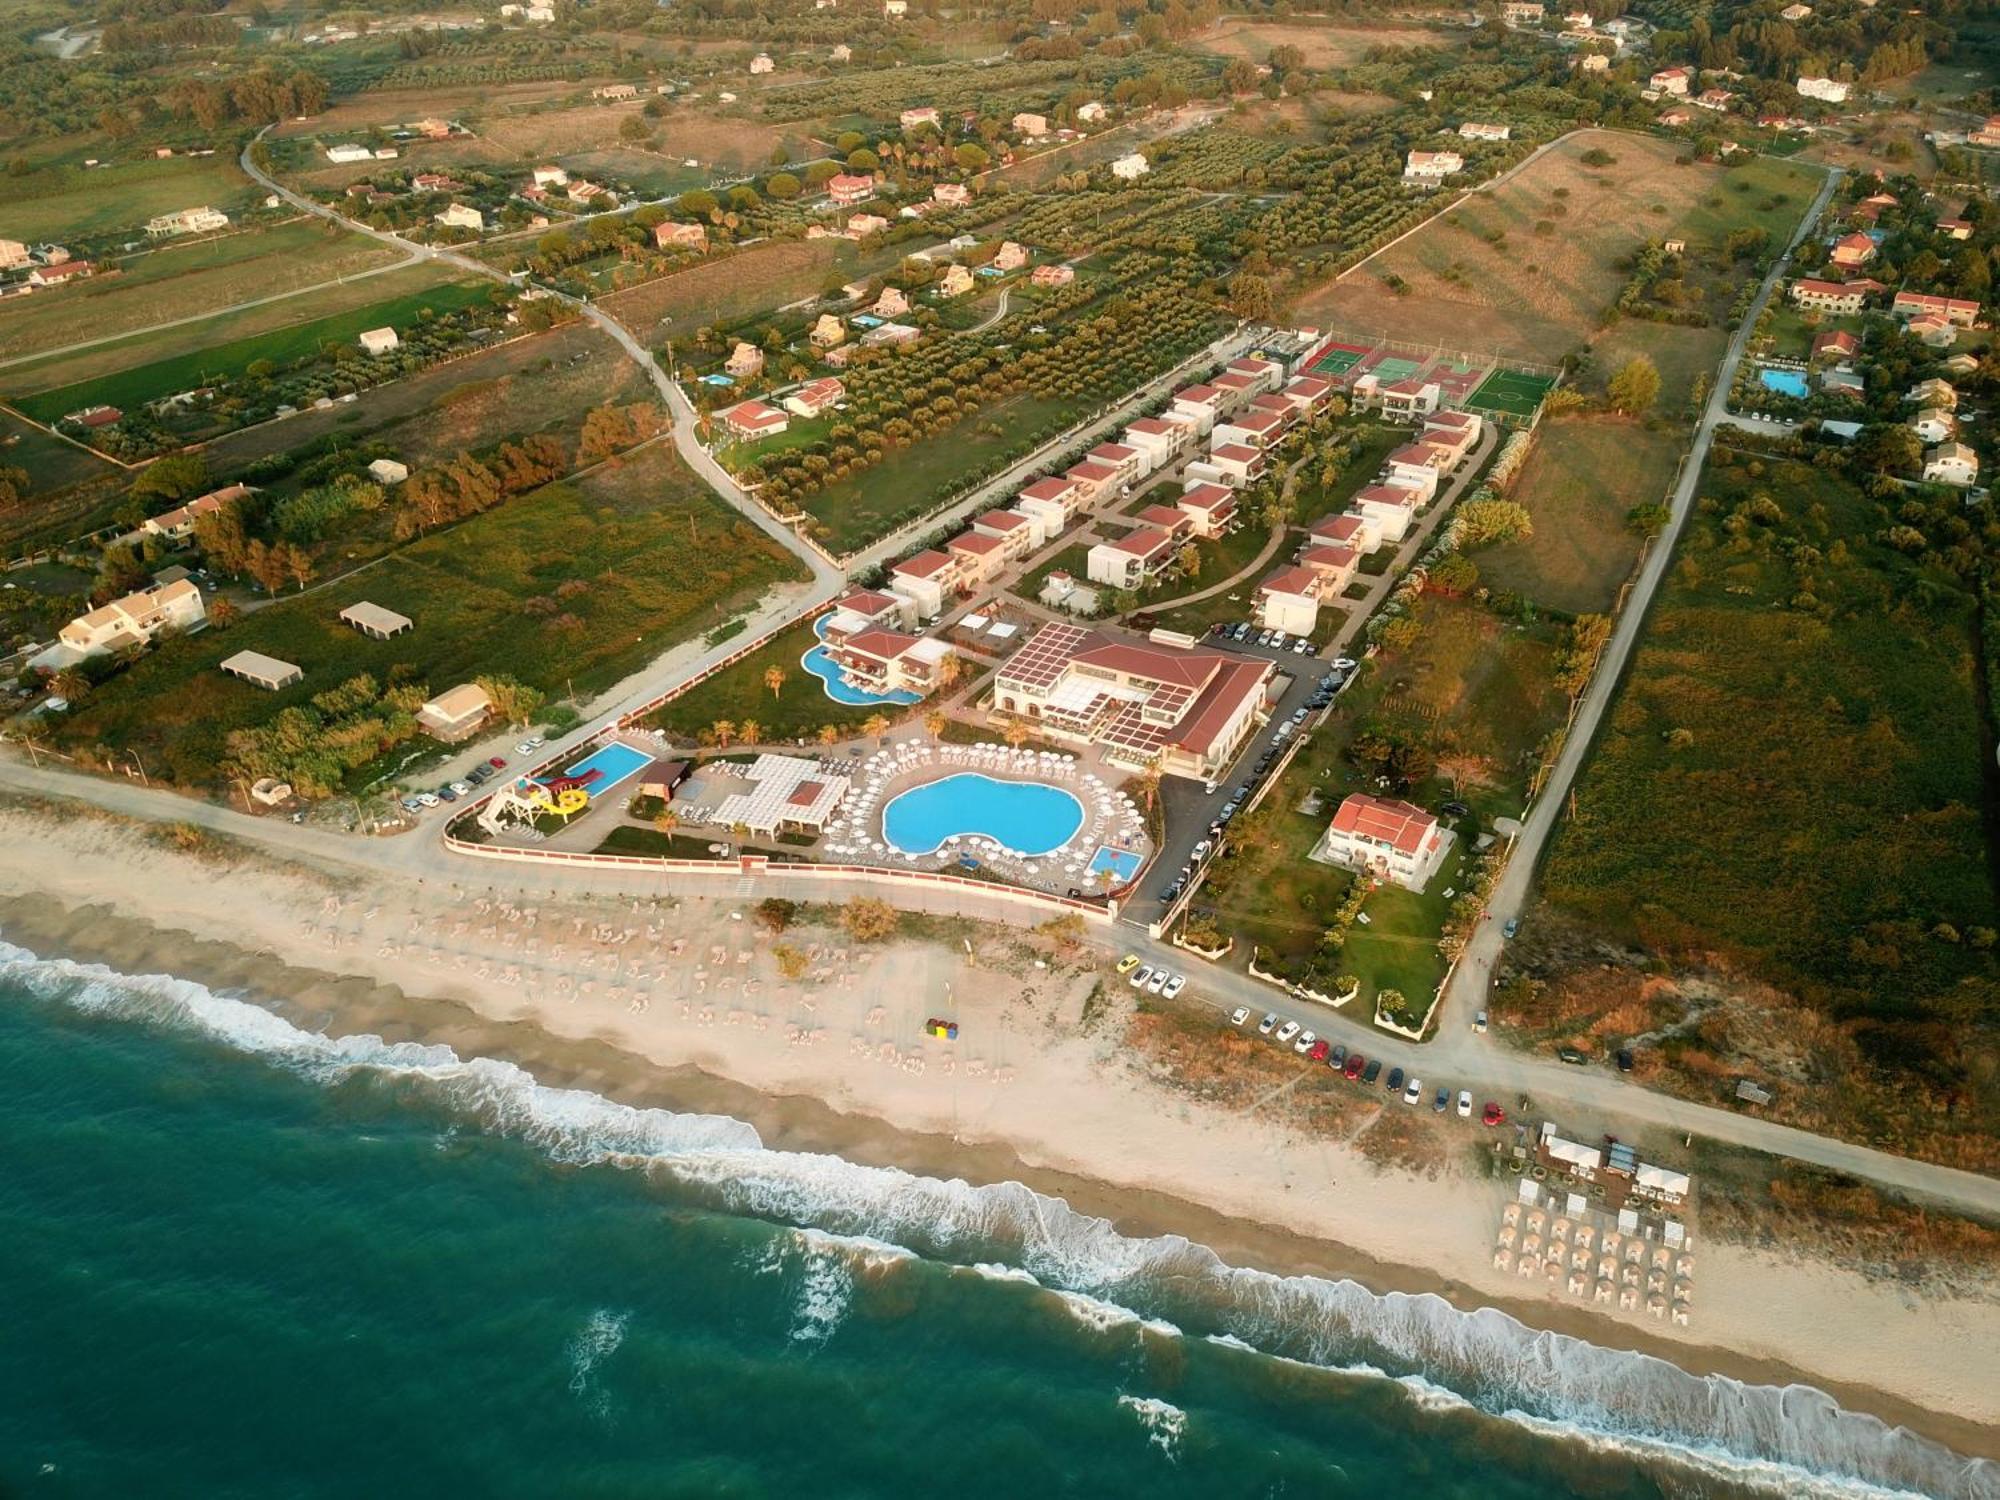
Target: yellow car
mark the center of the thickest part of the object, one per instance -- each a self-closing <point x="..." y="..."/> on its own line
<point x="1128" y="963"/>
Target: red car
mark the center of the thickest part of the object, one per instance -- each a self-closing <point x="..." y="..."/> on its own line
<point x="1494" y="1114"/>
<point x="1354" y="1066"/>
<point x="1319" y="1051"/>
<point x="497" y="763"/>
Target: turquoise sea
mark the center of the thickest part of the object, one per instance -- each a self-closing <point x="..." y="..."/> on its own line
<point x="237" y="1259"/>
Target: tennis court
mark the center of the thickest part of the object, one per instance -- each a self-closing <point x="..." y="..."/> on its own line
<point x="1337" y="359"/>
<point x="1514" y="392"/>
<point x="1456" y="380"/>
<point x="1389" y="368"/>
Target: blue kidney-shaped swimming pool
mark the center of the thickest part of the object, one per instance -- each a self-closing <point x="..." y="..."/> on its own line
<point x="1030" y="816"/>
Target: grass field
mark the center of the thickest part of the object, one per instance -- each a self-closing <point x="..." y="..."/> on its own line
<point x="148" y="382"/>
<point x="1680" y="354"/>
<point x="62" y="203"/>
<point x="660" y="560"/>
<point x="1585" y="474"/>
<point x="1512" y="393"/>
<point x="1489" y="276"/>
<point x="51" y="462"/>
<point x="56" y="369"/>
<point x="180" y="281"/>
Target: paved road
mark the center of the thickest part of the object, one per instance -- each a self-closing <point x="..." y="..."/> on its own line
<point x="1466" y="991"/>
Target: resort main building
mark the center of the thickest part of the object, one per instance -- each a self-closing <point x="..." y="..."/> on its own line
<point x="1181" y="711"/>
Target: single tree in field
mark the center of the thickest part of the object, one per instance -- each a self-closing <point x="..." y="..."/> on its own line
<point x="722" y="729"/>
<point x="299" y="564"/>
<point x="877" y="726"/>
<point x="774" y="679"/>
<point x="1635" y="387"/>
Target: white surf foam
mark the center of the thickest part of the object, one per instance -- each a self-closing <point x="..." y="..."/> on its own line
<point x="1163" y="1421"/>
<point x="1547" y="1381"/>
<point x="826" y="1291"/>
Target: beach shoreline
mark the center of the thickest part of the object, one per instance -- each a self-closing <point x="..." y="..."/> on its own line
<point x="1273" y="1214"/>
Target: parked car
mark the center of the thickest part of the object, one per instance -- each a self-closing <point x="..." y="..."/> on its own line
<point x="1394" y="1081"/>
<point x="1339" y="1058"/>
<point x="1442" y="1102"/>
<point x="1239" y="1015"/>
<point x="1509" y="927"/>
<point x="1139" y="979"/>
<point x="497" y="762"/>
<point x="461" y="788"/>
<point x="1413" y="1091"/>
<point x="1173" y="892"/>
<point x="1455" y="809"/>
<point x="447" y="794"/>
<point x="1465" y="1104"/>
<point x="477" y="775"/>
<point x="1354" y="1066"/>
<point x="1306" y="1042"/>
<point x="1344" y="664"/>
<point x="1128" y="963"/>
<point x="1319" y="1051"/>
<point x="1624" y="1059"/>
<point x="1493" y="1114"/>
<point x="1269" y="1024"/>
<point x="1479" y="1021"/>
<point x="1200" y="852"/>
<point x="1572" y="1056"/>
<point x="1175" y="984"/>
<point x="1287" y="1031"/>
<point x="429" y="799"/>
<point x="411" y="804"/>
<point x="524" y="748"/>
<point x="1279" y="638"/>
<point x="1157" y="983"/>
<point x="1373" y="1071"/>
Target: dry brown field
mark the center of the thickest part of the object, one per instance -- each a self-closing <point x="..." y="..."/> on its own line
<point x="734" y="286"/>
<point x="1328" y="46"/>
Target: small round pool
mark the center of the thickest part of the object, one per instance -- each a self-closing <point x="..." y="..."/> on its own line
<point x="1030" y="816"/>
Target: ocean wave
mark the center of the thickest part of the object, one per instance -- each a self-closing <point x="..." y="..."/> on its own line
<point x="1792" y="1437"/>
<point x="1164" y="1422"/>
<point x="994" y="1271"/>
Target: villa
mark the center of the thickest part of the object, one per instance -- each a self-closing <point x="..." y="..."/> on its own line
<point x="1410" y="397"/>
<point x="815" y="396"/>
<point x="753" y="419"/>
<point x="1951" y="463"/>
<point x="133" y="620"/>
<point x="1130" y="167"/>
<point x="1010" y="256"/>
<point x="957" y="282"/>
<point x="1960" y="311"/>
<point x="187" y="221"/>
<point x="1052" y="275"/>
<point x="1838" y="345"/>
<point x="911" y="119"/>
<point x="1429" y="168"/>
<point x="1933" y="392"/>
<point x="1829" y="296"/>
<point x="1031" y="126"/>
<point x="1934" y="425"/>
<point x="1182" y="711"/>
<point x="1671" y="81"/>
<point x="1307" y="392"/>
<point x="461" y="216"/>
<point x="1826" y="90"/>
<point x="891" y="304"/>
<point x="1455" y="433"/>
<point x="1477" y="130"/>
<point x="1852" y="251"/>
<point x="828" y="333"/>
<point x="1092" y="478"/>
<point x="1523" y="12"/>
<point x="551" y="176"/>
<point x="1252" y="429"/>
<point x="846" y="189"/>
<point x="951" y="194"/>
<point x="1386" y="839"/>
<point x="1288" y="599"/>
<point x="1126" y="463"/>
<point x="178" y="524"/>
<point x="1175" y="522"/>
<point x="456" y="714"/>
<point x="1210" y="507"/>
<point x="925" y="579"/>
<point x="668" y="235"/>
<point x="1389" y="507"/>
<point x="744" y="361"/>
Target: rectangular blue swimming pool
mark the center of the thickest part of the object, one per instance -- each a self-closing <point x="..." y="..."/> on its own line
<point x="613" y="763"/>
<point x="1120" y="864"/>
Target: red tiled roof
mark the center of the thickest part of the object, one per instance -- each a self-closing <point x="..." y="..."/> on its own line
<point x="1207" y="497"/>
<point x="1142" y="543"/>
<point x="883" y="645"/>
<point x="1335" y="557"/>
<point x="1219" y="703"/>
<point x="975" y="543"/>
<point x="1199" y="395"/>
<point x="926" y="564"/>
<point x="1340" y="528"/>
<point x="1291" y="580"/>
<point x="1386" y="821"/>
<point x="1049" y="489"/>
<point x="1002" y="520"/>
<point x="1166" y="517"/>
<point x="1235" y="453"/>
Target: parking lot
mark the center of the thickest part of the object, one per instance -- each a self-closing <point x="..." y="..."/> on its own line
<point x="1191" y="809"/>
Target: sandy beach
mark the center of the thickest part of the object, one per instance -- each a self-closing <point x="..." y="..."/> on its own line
<point x="682" y="1004"/>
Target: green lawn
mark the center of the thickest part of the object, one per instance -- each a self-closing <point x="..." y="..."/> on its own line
<point x="1763" y="193"/>
<point x="486" y="597"/>
<point x="1072" y="560"/>
<point x="135" y="386"/>
<point x="51" y="462"/>
<point x="1585" y="475"/>
<point x="797" y="710"/>
<point x="1679" y="353"/>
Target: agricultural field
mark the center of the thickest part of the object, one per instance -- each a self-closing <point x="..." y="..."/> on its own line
<point x="1531" y="269"/>
<point x="727" y="144"/>
<point x="271" y="319"/>
<point x="723" y="289"/>
<point x="1583" y="478"/>
<point x="147" y="382"/>
<point x="1330" y="45"/>
<point x="62" y="203"/>
<point x="52" y="463"/>
<point x="541" y="384"/>
<point x="187" y="281"/>
<point x="1788" y="796"/>
<point x="648" y="557"/>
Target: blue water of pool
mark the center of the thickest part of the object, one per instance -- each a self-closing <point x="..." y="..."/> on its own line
<point x="1120" y="864"/>
<point x="613" y="763"/>
<point x="1784" y="382"/>
<point x="1030" y="816"/>
<point x="817" y="662"/>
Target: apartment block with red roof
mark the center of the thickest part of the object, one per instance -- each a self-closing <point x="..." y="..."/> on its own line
<point x="1348" y="530"/>
<point x="1131" y="560"/>
<point x="1161" y="441"/>
<point x="1184" y="712"/>
<point x="1288" y="599"/>
<point x="1211" y="506"/>
<point x="1053" y="502"/>
<point x="891" y="661"/>
<point x="979" y="558"/>
<point x="1829" y="296"/>
<point x="926" y="580"/>
<point x="1200" y="404"/>
<point x="1130" y="463"/>
<point x="1019" y="532"/>
<point x="1959" y="311"/>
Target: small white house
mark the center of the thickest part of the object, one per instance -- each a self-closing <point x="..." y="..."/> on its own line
<point x="380" y="341"/>
<point x="1826" y="90"/>
<point x="1130" y="168"/>
<point x="1951" y="463"/>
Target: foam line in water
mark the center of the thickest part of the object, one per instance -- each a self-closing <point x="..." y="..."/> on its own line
<point x="1782" y="1440"/>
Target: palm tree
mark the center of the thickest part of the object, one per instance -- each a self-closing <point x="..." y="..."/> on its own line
<point x="949" y="669"/>
<point x="667" y="820"/>
<point x="1016" y="734"/>
<point x="722" y="729"/>
<point x="877" y="725"/>
<point x="830" y="735"/>
<point x="935" y="721"/>
<point x="71" y="684"/>
<point x="1148" y="783"/>
<point x="749" y="731"/>
<point x="774" y="678"/>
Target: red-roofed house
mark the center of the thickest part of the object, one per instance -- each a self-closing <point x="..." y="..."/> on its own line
<point x="846" y="189"/>
<point x="1389" y="508"/>
<point x="865" y="609"/>
<point x="1829" y="296"/>
<point x="815" y="396"/>
<point x="1128" y="463"/>
<point x="1092" y="478"/>
<point x="1347" y="530"/>
<point x="1232" y="464"/>
<point x="925" y="580"/>
<point x="1200" y="404"/>
<point x="1018" y="532"/>
<point x="1161" y="441"/>
<point x="1387" y="839"/>
<point x="1131" y="560"/>
<point x="1408" y="398"/>
<point x="1184" y="712"/>
<point x="1852" y="251"/>
<point x="1174" y="521"/>
<point x="178" y="523"/>
<point x="1249" y="428"/>
<point x="753" y="419"/>
<point x="1955" y="310"/>
<point x="1288" y="599"/>
<point x="890" y="661"/>
<point x="1837" y="345"/>
<point x="1055" y="502"/>
<point x="979" y="557"/>
<point x="1307" y="392"/>
<point x="1417" y="466"/>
